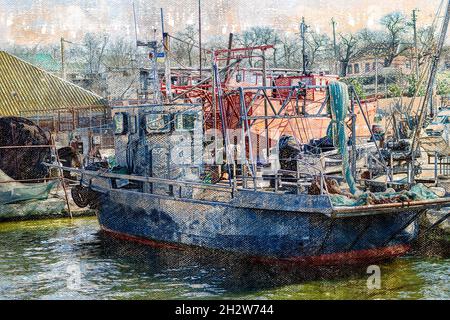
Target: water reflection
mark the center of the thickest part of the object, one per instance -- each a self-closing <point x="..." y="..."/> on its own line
<point x="44" y="259"/>
<point x="223" y="271"/>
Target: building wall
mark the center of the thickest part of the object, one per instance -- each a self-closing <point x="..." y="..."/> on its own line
<point x="367" y="66"/>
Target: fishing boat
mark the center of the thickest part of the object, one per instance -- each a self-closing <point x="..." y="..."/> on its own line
<point x="166" y="193"/>
<point x="213" y="174"/>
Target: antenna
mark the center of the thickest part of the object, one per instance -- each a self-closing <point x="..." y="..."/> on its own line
<point x="135" y="24"/>
<point x="200" y="36"/>
<point x="303" y="28"/>
<point x="162" y="22"/>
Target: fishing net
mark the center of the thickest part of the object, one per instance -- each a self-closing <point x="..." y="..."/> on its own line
<point x="23" y="163"/>
<point x="12" y="192"/>
<point x="52" y="207"/>
<point x="289" y="152"/>
<point x="416" y="193"/>
<point x="339" y="104"/>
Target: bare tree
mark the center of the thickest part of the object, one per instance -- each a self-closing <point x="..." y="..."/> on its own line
<point x="119" y="54"/>
<point x="395" y="25"/>
<point x="259" y="36"/>
<point x="189" y="38"/>
<point x="289" y="47"/>
<point x="94" y="49"/>
<point x="217" y="42"/>
<point x="426" y="43"/>
<point x="348" y="48"/>
<point x="317" y="45"/>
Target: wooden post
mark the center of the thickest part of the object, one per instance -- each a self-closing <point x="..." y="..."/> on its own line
<point x="61" y="174"/>
<point x="436" y="168"/>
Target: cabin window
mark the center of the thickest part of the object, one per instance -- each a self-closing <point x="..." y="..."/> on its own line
<point x="367" y="67"/>
<point x="157" y="122"/>
<point x="349" y="69"/>
<point x="356" y="67"/>
<point x="185" y="122"/>
<point x="120" y="123"/>
<point x="133" y="124"/>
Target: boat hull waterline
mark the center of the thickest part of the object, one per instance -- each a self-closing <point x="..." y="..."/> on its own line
<point x="310" y="238"/>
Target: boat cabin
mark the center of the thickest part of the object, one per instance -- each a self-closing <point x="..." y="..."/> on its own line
<point x="160" y="141"/>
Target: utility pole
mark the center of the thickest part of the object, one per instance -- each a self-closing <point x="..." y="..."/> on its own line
<point x="303" y="28"/>
<point x="200" y="36"/>
<point x="333" y="23"/>
<point x="416" y="51"/>
<point x="63" y="68"/>
<point x="135" y="24"/>
<point x="376" y="78"/>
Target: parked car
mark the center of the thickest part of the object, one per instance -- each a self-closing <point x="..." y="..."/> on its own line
<point x="440" y="126"/>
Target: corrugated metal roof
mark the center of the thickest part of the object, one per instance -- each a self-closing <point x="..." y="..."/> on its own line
<point x="25" y="88"/>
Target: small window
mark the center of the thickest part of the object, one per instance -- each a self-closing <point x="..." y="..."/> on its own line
<point x="133" y="124"/>
<point x="374" y="66"/>
<point x="157" y="122"/>
<point x="367" y="67"/>
<point x="356" y="67"/>
<point x="120" y="123"/>
<point x="185" y="122"/>
<point x="349" y="69"/>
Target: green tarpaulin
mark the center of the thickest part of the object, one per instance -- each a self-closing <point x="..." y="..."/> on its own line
<point x="12" y="192"/>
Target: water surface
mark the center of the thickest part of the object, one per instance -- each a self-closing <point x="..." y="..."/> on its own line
<point x="64" y="259"/>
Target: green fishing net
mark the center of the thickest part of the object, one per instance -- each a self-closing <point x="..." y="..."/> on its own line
<point x="416" y="193"/>
<point x="12" y="192"/>
<point x="339" y="104"/>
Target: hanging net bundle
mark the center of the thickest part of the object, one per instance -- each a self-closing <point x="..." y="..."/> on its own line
<point x="339" y="104"/>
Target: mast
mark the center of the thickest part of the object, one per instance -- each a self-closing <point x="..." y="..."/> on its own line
<point x="166" y="46"/>
<point x="135" y="24"/>
<point x="333" y="23"/>
<point x="200" y="36"/>
<point x="303" y="28"/>
<point x="435" y="60"/>
<point x="416" y="52"/>
<point x="218" y="93"/>
<point x="428" y="100"/>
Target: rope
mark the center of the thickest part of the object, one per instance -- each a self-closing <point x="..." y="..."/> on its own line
<point x="339" y="103"/>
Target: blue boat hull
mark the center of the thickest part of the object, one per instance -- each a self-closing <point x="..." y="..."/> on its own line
<point x="268" y="235"/>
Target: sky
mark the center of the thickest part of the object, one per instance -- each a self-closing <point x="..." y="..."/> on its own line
<point x="27" y="22"/>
